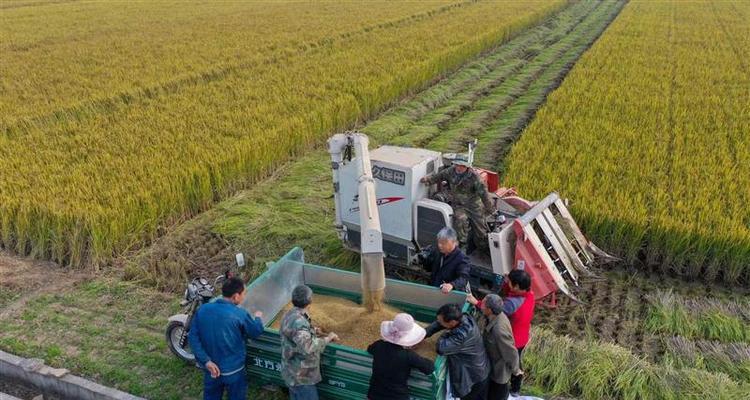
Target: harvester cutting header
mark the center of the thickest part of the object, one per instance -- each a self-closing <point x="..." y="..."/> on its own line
<point x="415" y="201"/>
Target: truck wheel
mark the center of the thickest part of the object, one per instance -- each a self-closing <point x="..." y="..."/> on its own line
<point x="173" y="334"/>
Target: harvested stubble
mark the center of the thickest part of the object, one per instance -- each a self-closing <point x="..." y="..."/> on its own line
<point x="355" y="326"/>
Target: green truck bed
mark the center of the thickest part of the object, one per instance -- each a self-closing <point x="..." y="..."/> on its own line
<point x="345" y="370"/>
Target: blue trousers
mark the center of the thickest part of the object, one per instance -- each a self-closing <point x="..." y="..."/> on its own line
<point x="303" y="392"/>
<point x="235" y="385"/>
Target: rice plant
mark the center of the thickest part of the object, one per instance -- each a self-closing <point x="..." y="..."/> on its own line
<point x="551" y="361"/>
<point x="101" y="150"/>
<point x="597" y="369"/>
<point x="648" y="138"/>
<point x="732" y="359"/>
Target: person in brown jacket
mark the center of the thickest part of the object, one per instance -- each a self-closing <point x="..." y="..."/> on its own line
<point x="500" y="346"/>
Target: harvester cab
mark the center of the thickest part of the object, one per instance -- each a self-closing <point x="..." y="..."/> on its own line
<point x="540" y="237"/>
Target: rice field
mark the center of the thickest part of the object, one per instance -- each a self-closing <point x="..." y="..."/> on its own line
<point x="131" y="126"/>
<point x="648" y="137"/>
<point x="294" y="208"/>
<point x="141" y="44"/>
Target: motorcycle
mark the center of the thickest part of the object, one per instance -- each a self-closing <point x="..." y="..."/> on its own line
<point x="198" y="292"/>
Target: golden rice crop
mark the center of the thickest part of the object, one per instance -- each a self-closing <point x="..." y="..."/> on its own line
<point x="648" y="136"/>
<point x="119" y="133"/>
<point x="139" y="44"/>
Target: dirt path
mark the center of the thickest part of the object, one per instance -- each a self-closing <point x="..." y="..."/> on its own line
<point x="23" y="279"/>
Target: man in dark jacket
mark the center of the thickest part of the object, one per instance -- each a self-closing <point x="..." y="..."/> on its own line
<point x="217" y="337"/>
<point x="462" y="345"/>
<point x="518" y="306"/>
<point x="448" y="265"/>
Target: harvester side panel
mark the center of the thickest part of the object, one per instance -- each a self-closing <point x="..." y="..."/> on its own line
<point x="530" y="259"/>
<point x="502" y="250"/>
<point x="397" y="172"/>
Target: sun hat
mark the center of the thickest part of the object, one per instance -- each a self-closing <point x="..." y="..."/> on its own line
<point x="402" y="331"/>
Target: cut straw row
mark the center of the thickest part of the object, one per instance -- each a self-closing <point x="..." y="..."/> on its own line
<point x="593" y="370"/>
<point x="671" y="314"/>
<point x="732" y="359"/>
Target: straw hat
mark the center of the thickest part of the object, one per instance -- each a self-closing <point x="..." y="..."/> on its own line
<point x="402" y="331"/>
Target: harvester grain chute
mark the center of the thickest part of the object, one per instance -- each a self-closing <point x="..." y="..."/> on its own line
<point x="372" y="271"/>
<point x="541" y="237"/>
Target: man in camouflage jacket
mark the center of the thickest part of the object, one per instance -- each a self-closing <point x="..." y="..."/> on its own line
<point x="466" y="191"/>
<point x="301" y="347"/>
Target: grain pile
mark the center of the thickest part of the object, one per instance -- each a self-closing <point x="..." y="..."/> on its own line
<point x="355" y="326"/>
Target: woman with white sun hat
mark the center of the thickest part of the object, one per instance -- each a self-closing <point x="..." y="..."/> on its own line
<point x="392" y="358"/>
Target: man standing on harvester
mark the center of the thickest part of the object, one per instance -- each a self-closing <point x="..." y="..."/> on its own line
<point x="466" y="190"/>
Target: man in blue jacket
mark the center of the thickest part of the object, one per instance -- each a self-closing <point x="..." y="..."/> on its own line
<point x="448" y="265"/>
<point x="217" y="337"/>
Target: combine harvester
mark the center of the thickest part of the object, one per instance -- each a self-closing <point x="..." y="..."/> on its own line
<point x="540" y="237"/>
<point x="390" y="218"/>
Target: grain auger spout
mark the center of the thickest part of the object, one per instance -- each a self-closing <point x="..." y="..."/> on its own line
<point x="344" y="148"/>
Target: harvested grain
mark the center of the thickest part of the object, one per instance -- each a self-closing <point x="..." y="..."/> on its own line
<point x="355" y="326"/>
<point x="372" y="275"/>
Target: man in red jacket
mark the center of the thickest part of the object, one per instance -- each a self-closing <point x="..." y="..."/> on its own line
<point x="518" y="306"/>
